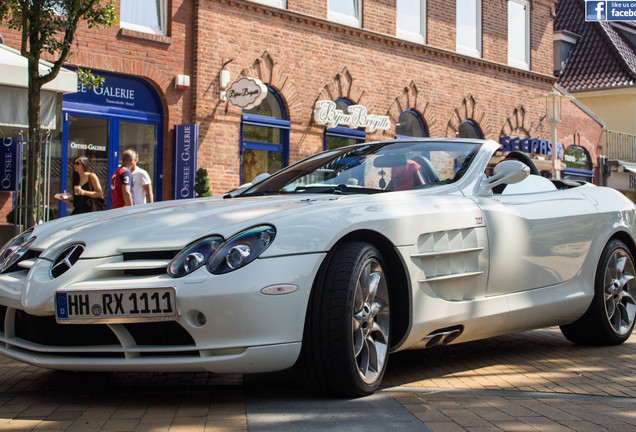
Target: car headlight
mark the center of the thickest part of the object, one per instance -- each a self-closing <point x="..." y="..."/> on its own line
<point x="194" y="256"/>
<point x="15" y="249"/>
<point x="242" y="249"/>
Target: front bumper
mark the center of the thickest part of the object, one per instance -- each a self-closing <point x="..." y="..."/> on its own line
<point x="244" y="330"/>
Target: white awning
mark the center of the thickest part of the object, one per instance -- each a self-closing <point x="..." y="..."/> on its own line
<point x="13" y="91"/>
<point x="14" y="72"/>
<point x="628" y="166"/>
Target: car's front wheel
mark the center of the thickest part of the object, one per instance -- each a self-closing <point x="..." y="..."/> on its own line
<point x="346" y="340"/>
<point x="610" y="318"/>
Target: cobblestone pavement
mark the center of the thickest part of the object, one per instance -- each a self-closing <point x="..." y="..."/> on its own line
<point x="523" y="382"/>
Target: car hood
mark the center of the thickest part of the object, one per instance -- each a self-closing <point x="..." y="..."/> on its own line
<point x="169" y="225"/>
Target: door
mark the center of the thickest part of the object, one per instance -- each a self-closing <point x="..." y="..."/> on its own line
<point x="536" y="239"/>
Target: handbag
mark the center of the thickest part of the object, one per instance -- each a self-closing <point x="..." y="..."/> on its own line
<point x="98" y="204"/>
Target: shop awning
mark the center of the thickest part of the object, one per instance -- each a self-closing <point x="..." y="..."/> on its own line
<point x="13" y="91"/>
<point x="627" y="166"/>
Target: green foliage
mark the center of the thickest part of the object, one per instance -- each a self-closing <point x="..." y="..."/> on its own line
<point x="88" y="79"/>
<point x="202" y="184"/>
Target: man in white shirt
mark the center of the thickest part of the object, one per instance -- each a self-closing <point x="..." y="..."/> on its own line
<point x="142" y="187"/>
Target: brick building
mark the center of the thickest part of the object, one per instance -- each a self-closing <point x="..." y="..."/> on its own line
<point x="406" y="60"/>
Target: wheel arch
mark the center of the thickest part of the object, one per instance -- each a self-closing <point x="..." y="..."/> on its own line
<point x="625" y="238"/>
<point x="400" y="292"/>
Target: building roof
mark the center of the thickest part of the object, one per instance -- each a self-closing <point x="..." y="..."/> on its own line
<point x="602" y="58"/>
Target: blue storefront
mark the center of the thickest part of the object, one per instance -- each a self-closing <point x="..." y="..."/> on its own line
<point x="100" y="123"/>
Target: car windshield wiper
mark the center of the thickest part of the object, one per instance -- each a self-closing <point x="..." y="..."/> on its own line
<point x="337" y="189"/>
<point x="252" y="194"/>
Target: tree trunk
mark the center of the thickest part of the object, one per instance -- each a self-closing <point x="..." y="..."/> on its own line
<point x="33" y="146"/>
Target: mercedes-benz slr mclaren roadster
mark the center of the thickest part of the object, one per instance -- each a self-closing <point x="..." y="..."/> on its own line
<point x="328" y="265"/>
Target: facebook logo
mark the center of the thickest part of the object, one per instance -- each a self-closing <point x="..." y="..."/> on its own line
<point x="595" y="10"/>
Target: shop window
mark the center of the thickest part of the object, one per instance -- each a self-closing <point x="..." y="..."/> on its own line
<point x="348" y="12"/>
<point x="264" y="138"/>
<point x="578" y="165"/>
<point x="147" y="16"/>
<point x="337" y="137"/>
<point x="411" y="20"/>
<point x="468" y="14"/>
<point x="518" y="34"/>
<point x="468" y="129"/>
<point x="276" y="3"/>
<point x="410" y="124"/>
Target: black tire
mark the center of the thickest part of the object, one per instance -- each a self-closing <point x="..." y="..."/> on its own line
<point x="346" y="338"/>
<point x="609" y="319"/>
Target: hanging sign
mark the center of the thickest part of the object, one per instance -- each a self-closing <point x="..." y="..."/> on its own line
<point x="10" y="159"/>
<point x="246" y="93"/>
<point x="326" y="113"/>
<point x="186" y="139"/>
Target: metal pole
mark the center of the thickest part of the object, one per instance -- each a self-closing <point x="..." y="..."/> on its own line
<point x="557" y="173"/>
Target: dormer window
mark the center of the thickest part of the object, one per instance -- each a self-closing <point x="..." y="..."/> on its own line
<point x="564" y="43"/>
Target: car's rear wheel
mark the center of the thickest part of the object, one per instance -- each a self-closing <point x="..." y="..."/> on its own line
<point x="346" y="340"/>
<point x="610" y="318"/>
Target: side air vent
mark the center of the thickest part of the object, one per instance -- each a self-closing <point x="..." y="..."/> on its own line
<point x="66" y="260"/>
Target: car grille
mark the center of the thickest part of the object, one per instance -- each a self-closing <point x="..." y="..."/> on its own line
<point x="44" y="336"/>
<point x="140" y="263"/>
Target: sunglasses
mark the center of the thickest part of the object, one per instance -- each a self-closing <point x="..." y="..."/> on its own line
<point x="77" y="163"/>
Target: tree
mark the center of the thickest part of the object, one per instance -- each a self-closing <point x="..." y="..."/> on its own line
<point x="48" y="27"/>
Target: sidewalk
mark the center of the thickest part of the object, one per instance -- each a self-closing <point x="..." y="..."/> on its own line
<point x="524" y="382"/>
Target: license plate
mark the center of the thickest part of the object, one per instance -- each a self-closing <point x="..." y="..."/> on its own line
<point x="123" y="305"/>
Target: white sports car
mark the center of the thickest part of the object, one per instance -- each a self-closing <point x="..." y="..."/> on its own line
<point x="329" y="265"/>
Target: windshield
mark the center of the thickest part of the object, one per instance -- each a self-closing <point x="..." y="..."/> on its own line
<point x="373" y="168"/>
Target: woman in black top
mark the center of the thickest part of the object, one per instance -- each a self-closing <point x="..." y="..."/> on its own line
<point x="85" y="187"/>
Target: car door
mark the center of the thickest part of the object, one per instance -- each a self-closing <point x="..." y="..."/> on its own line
<point x="536" y="239"/>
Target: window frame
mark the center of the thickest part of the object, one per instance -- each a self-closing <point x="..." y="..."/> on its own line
<point x="338" y="17"/>
<point x="514" y="62"/>
<point x="407" y="34"/>
<point x="475" y="51"/>
<point x="163" y="21"/>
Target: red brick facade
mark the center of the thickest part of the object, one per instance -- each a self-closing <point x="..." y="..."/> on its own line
<point x="306" y="58"/>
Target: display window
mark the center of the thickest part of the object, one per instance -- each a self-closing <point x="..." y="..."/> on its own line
<point x="264" y="138"/>
<point x="410" y="124"/>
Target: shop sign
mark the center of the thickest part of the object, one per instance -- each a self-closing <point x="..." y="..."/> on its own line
<point x="89" y="147"/>
<point x="118" y="92"/>
<point x="246" y="93"/>
<point x="623" y="181"/>
<point x="9" y="158"/>
<point x="326" y="113"/>
<point x="529" y="145"/>
<point x="186" y="138"/>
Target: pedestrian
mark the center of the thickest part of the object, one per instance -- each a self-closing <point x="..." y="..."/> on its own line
<point x="142" y="185"/>
<point x="86" y="187"/>
<point x="121" y="183"/>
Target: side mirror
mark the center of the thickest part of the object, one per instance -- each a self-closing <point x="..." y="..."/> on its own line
<point x="505" y="172"/>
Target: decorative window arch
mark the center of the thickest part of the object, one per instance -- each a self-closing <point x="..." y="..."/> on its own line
<point x="337" y="137"/>
<point x="410" y="124"/>
<point x="264" y="137"/>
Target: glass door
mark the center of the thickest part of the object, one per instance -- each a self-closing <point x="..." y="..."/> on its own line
<point x="88" y="136"/>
